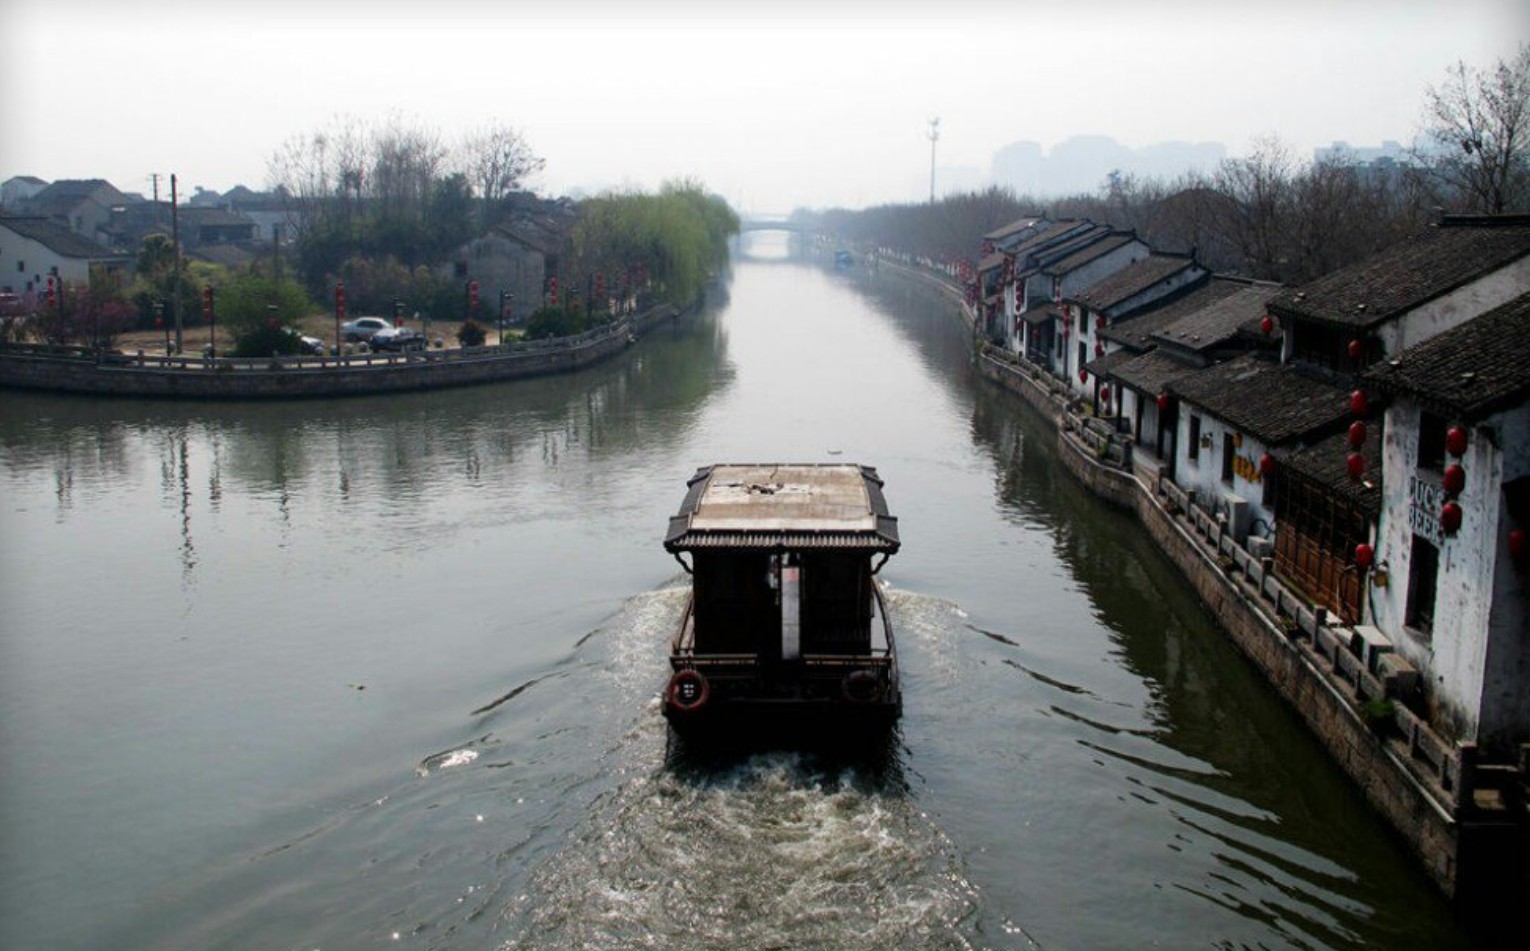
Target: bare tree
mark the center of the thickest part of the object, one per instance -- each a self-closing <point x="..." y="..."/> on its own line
<point x="1260" y="213"/>
<point x="1479" y="125"/>
<point x="496" y="160"/>
<point x="405" y="164"/>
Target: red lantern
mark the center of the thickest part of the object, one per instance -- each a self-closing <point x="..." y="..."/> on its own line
<point x="1105" y="395"/>
<point x="1163" y="401"/>
<point x="1355" y="465"/>
<point x="340" y="299"/>
<point x="1364" y="555"/>
<point x="207" y="302"/>
<point x="1356" y="434"/>
<point x="1355" y="349"/>
<point x="1455" y="441"/>
<point x="1357" y="402"/>
<point x="52" y="291"/>
<point x="472" y="297"/>
<point x="1099" y="321"/>
<point x="1267" y="324"/>
<point x="1266" y="464"/>
<point x="1083" y="375"/>
<point x="1450" y="517"/>
<point x="1099" y="349"/>
<point x="1516" y="543"/>
<point x="1455" y="479"/>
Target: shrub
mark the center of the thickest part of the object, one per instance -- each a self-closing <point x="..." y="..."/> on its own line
<point x="471" y="334"/>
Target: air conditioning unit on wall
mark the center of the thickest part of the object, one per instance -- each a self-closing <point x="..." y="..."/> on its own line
<point x="1235" y="514"/>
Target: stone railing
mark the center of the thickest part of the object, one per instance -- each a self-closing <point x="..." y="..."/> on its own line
<point x="1381" y="686"/>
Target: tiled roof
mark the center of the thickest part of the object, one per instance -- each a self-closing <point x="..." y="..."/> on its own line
<point x="1411" y="272"/>
<point x="75" y="188"/>
<point x="1106" y="365"/>
<point x="1060" y="232"/>
<point x="1093" y="250"/>
<point x="1042" y="313"/>
<point x="1149" y="372"/>
<point x="1013" y="227"/>
<point x="1136" y="331"/>
<point x="1044" y="256"/>
<point x="1133" y="279"/>
<point x="1271" y="401"/>
<point x="1325" y="463"/>
<point x="1220" y="321"/>
<point x="57" y="238"/>
<point x="991" y="262"/>
<point x="1470" y="371"/>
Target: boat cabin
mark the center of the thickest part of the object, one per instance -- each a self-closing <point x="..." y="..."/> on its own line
<point x="786" y="614"/>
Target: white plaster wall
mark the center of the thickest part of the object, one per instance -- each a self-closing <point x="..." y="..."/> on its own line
<point x="1453" y="656"/>
<point x="1456" y="308"/>
<point x="1203" y="471"/>
<point x="1102" y="267"/>
<point x="39" y="260"/>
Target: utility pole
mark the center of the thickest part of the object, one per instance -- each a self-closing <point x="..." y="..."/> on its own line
<point x="175" y="238"/>
<point x="934" y="137"/>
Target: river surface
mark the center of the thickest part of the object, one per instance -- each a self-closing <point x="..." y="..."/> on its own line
<point x="384" y="673"/>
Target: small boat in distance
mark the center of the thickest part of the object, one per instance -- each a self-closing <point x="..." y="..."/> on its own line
<point x="786" y="631"/>
<point x="843" y="259"/>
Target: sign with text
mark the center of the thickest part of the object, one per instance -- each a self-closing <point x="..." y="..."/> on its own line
<point x="1424" y="501"/>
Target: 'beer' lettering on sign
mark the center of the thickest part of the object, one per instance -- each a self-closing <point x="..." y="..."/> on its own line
<point x="1424" y="501"/>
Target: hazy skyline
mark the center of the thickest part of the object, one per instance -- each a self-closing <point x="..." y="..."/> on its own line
<point x="772" y="105"/>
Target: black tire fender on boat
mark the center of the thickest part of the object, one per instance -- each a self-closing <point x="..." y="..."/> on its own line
<point x="861" y="686"/>
<point x="688" y="691"/>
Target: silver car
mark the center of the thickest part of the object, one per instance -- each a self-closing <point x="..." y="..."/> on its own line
<point x="362" y="328"/>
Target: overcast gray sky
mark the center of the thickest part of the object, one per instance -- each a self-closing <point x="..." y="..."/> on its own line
<point x="771" y="104"/>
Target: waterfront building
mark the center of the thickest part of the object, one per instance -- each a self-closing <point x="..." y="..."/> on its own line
<point x="1054" y="265"/>
<point x="1357" y="317"/>
<point x="1116" y="298"/>
<point x="1449" y="578"/>
<point x="1215" y="321"/>
<point x="32" y="248"/>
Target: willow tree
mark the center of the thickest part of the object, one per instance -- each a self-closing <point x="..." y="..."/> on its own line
<point x="670" y="242"/>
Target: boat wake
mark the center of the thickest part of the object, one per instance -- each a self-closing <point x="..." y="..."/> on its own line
<point x="775" y="851"/>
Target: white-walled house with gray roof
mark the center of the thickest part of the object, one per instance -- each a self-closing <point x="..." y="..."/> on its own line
<point x="1450" y="583"/>
<point x="33" y="248"/>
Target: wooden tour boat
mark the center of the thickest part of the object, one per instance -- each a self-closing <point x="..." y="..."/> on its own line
<point x="786" y="628"/>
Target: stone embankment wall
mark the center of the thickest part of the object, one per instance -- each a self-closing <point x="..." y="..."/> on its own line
<point x="116" y="374"/>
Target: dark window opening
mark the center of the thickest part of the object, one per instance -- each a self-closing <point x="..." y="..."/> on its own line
<point x="1228" y="452"/>
<point x="1431" y="442"/>
<point x="1423" y="578"/>
<point x="1192" y="445"/>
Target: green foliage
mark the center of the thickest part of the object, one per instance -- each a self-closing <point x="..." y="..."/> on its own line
<point x="155" y="284"/>
<point x="471" y="334"/>
<point x="565" y="320"/>
<point x="256" y="308"/>
<point x="266" y="340"/>
<point x="672" y="241"/>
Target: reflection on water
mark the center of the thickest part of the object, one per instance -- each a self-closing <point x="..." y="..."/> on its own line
<point x="387" y="672"/>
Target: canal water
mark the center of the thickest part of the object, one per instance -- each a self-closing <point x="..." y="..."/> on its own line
<point x="385" y="673"/>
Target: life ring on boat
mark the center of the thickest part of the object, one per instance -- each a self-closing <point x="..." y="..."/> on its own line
<point x="861" y="686"/>
<point x="688" y="691"/>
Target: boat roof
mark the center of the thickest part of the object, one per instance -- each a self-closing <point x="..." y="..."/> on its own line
<point x="780" y="506"/>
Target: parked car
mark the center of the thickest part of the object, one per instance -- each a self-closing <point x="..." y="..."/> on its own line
<point x="397" y="339"/>
<point x="311" y="346"/>
<point x="362" y="328"/>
